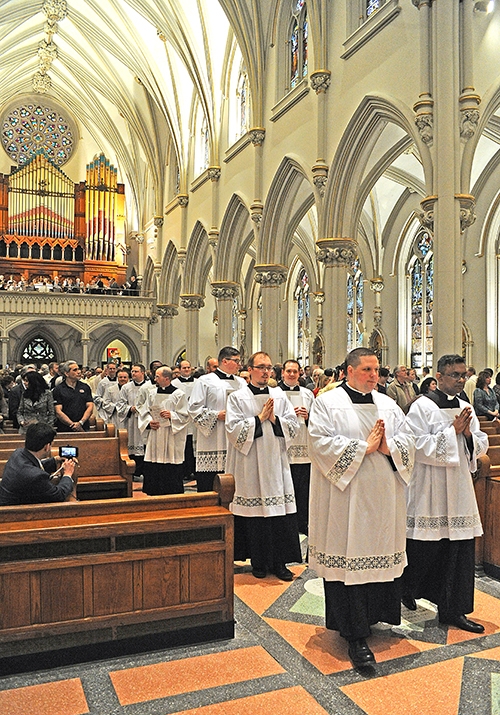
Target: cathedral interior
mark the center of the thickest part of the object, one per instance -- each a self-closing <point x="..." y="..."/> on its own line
<point x="297" y="176"/>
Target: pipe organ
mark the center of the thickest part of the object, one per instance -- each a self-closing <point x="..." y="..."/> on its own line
<point x="41" y="201"/>
<point x="51" y="226"/>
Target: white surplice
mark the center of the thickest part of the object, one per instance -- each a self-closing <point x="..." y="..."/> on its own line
<point x="109" y="406"/>
<point x="132" y="395"/>
<point x="263" y="481"/>
<point x="298" y="451"/>
<point x="164" y="445"/>
<point x="208" y="398"/>
<point x="357" y="501"/>
<point x="441" y="499"/>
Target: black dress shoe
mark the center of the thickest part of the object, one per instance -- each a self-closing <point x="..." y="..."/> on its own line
<point x="259" y="573"/>
<point x="360" y="654"/>
<point x="463" y="623"/>
<point x="283" y="573"/>
<point x="409" y="602"/>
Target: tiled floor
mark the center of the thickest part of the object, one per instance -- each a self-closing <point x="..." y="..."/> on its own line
<point x="282" y="661"/>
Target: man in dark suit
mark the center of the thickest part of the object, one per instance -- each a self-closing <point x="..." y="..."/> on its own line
<point x="26" y="478"/>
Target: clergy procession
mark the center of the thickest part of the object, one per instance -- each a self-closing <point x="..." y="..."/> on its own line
<point x="374" y="474"/>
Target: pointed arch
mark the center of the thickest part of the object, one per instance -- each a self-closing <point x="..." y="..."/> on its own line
<point x="344" y="200"/>
<point x="236" y="235"/>
<point x="149" y="278"/>
<point x="289" y="198"/>
<point x="198" y="262"/>
<point x="169" y="277"/>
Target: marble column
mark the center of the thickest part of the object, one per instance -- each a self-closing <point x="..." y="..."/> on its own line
<point x="336" y="255"/>
<point x="167" y="314"/>
<point x="225" y="292"/>
<point x="144" y="352"/>
<point x="270" y="277"/>
<point x="192" y="303"/>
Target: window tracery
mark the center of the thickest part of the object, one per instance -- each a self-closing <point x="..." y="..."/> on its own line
<point x="31" y="128"/>
<point x="422" y="298"/>
<point x="38" y="350"/>
<point x="355" y="306"/>
<point x="303" y="316"/>
<point x="298" y="43"/>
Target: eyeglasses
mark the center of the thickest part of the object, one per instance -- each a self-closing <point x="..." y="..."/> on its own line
<point x="267" y="368"/>
<point x="456" y="375"/>
<point x="236" y="360"/>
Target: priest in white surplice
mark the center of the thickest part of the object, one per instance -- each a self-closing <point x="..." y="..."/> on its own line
<point x="260" y="424"/>
<point x="186" y="382"/>
<point x="361" y="463"/>
<point x="207" y="409"/>
<point x="298" y="452"/>
<point x="164" y="416"/>
<point x="132" y="396"/>
<point x="443" y="517"/>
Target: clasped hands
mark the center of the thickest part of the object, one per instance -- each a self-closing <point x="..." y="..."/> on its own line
<point x="461" y="423"/>
<point x="268" y="411"/>
<point x="376" y="439"/>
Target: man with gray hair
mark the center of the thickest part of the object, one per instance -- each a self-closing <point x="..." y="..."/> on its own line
<point x="72" y="400"/>
<point x="164" y="414"/>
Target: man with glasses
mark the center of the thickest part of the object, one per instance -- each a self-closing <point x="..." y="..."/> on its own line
<point x="443" y="517"/>
<point x="207" y="409"/>
<point x="261" y="424"/>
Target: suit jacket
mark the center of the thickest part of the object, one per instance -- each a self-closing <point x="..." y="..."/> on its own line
<point x="24" y="482"/>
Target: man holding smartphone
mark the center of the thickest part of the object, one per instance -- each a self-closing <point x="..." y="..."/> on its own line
<point x="26" y="477"/>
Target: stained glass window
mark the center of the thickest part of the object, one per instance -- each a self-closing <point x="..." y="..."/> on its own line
<point x="303" y="317"/>
<point x="372" y="5"/>
<point x="422" y="298"/>
<point x="298" y="44"/>
<point x="38" y="350"/>
<point x="355" y="306"/>
<point x="243" y="105"/>
<point x="31" y="128"/>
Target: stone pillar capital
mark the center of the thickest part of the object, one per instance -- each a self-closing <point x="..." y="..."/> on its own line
<point x="270" y="275"/>
<point x="377" y="284"/>
<point x="467" y="210"/>
<point x="257" y="135"/>
<point x="225" y="290"/>
<point x="320" y="80"/>
<point x="192" y="301"/>
<point x="336" y="251"/>
<point x="426" y="216"/>
<point x="167" y="310"/>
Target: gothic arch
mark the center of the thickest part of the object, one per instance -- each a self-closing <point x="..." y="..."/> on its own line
<point x="198" y="262"/>
<point x="344" y="200"/>
<point x="149" y="279"/>
<point x="236" y="235"/>
<point x="36" y="330"/>
<point x="169" y="277"/>
<point x="289" y="197"/>
<point x="490" y="103"/>
<point x="100" y="342"/>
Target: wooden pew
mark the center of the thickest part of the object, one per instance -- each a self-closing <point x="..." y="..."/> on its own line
<point x="105" y="471"/>
<point x="113" y="576"/>
<point x="16" y="439"/>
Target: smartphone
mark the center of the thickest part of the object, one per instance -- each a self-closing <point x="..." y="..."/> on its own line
<point x="68" y="452"/>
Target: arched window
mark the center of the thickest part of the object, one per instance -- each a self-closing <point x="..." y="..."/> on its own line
<point x="57" y="254"/>
<point x="234" y="323"/>
<point x="355" y="307"/>
<point x="68" y="253"/>
<point x="422" y="298"/>
<point x="303" y="317"/>
<point x="37" y="351"/>
<point x="35" y="251"/>
<point x="243" y="102"/>
<point x="372" y="5"/>
<point x="298" y="39"/>
<point x="13" y="248"/>
<point x="46" y="252"/>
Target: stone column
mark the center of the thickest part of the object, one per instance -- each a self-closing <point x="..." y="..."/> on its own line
<point x="5" y="345"/>
<point x="225" y="292"/>
<point x="144" y="352"/>
<point x="336" y="254"/>
<point x="167" y="314"/>
<point x="270" y="277"/>
<point x="192" y="304"/>
<point x="85" y="351"/>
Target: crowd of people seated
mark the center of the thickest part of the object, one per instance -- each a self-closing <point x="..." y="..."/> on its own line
<point x="44" y="284"/>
